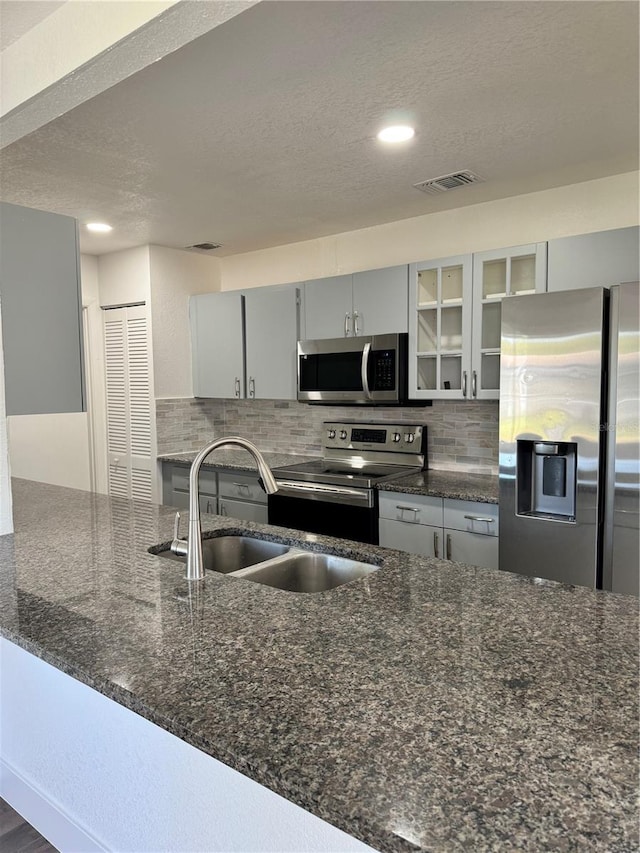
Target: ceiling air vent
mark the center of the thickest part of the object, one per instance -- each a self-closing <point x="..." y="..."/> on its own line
<point x="448" y="182"/>
<point x="205" y="247"/>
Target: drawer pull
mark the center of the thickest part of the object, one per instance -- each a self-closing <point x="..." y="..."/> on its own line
<point x="241" y="486"/>
<point x="480" y="518"/>
<point x="412" y="509"/>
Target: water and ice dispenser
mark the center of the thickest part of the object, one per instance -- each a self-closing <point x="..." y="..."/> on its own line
<point x="546" y="479"/>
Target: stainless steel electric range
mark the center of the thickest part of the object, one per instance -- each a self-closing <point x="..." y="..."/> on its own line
<point x="337" y="495"/>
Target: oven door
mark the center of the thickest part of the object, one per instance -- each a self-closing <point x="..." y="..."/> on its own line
<point x="329" y="510"/>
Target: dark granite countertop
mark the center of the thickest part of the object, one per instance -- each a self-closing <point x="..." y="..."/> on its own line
<point x="430" y="706"/>
<point x="238" y="460"/>
<point x="460" y="485"/>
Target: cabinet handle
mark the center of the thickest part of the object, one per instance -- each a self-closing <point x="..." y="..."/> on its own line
<point x="347" y="323"/>
<point x="356" y="330"/>
<point x="208" y="509"/>
<point x="241" y="486"/>
<point x="252" y="387"/>
<point x="408" y="509"/>
<point x="237" y="387"/>
<point x="480" y="518"/>
<point x="448" y="546"/>
<point x="474" y="384"/>
<point x="222" y="510"/>
<point x="464" y="383"/>
<point x="436" y="539"/>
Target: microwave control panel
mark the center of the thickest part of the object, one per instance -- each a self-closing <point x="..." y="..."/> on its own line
<point x="383" y="363"/>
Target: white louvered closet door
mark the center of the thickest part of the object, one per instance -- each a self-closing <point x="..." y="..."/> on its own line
<point x="128" y="402"/>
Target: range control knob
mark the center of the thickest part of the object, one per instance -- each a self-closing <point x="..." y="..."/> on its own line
<point x="396" y="436"/>
<point x="409" y="437"/>
<point x="343" y="434"/>
<point x="331" y="433"/>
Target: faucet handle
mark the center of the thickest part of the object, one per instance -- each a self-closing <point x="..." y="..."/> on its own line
<point x="178" y="545"/>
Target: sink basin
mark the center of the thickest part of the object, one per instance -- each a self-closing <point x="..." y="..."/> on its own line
<point x="227" y="554"/>
<point x="302" y="571"/>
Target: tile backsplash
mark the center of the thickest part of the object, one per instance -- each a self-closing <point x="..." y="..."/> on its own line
<point x="460" y="434"/>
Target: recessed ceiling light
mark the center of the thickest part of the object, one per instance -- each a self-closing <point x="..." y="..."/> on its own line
<point x="396" y="133"/>
<point x="99" y="227"/>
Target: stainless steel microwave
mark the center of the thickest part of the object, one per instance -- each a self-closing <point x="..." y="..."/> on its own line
<point x="366" y="370"/>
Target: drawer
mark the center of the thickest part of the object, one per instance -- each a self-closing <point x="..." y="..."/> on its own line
<point x="411" y="509"/>
<point x="476" y="549"/>
<point x="179" y="479"/>
<point x="471" y="516"/>
<point x="414" y="538"/>
<point x="243" y="510"/>
<point x="244" y="487"/>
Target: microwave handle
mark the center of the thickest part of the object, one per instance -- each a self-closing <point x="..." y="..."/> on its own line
<point x="365" y="370"/>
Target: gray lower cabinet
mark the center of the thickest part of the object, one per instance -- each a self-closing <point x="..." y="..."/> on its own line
<point x="241" y="496"/>
<point x="41" y="312"/>
<point x="373" y="302"/>
<point x="175" y="487"/>
<point x="465" y="531"/>
<point x="237" y="494"/>
<point x="601" y="259"/>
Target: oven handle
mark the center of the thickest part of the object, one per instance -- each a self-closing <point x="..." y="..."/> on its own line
<point x="325" y="492"/>
<point x="364" y="370"/>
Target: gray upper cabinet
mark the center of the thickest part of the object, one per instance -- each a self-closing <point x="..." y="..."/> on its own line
<point x="328" y="307"/>
<point x="244" y="344"/>
<point x="373" y="302"/>
<point x="41" y="312"/>
<point x="217" y="345"/>
<point x="600" y="259"/>
<point x="271" y="335"/>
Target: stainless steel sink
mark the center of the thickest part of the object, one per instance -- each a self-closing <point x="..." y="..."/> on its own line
<point x="275" y="564"/>
<point x="227" y="554"/>
<point x="303" y="571"/>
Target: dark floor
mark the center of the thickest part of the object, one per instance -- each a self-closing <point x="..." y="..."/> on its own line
<point x="17" y="836"/>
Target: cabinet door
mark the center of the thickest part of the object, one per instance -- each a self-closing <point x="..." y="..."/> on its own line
<point x="472" y="548"/>
<point x="217" y="346"/>
<point x="271" y="334"/>
<point x="41" y="312"/>
<point x="601" y="259"/>
<point x="329" y="307"/>
<point x="414" y="538"/>
<point x="381" y="301"/>
<point x="243" y="509"/>
<point x="440" y="293"/>
<point x="496" y="275"/>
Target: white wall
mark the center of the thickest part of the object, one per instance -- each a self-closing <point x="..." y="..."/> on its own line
<point x="174" y="276"/>
<point x="59" y="448"/>
<point x="6" y="516"/>
<point x="597" y="205"/>
<point x="124" y="277"/>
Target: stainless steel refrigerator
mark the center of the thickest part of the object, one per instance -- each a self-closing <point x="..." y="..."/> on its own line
<point x="569" y="437"/>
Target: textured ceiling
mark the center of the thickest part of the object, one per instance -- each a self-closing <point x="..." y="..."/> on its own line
<point x="262" y="132"/>
<point x="19" y="16"/>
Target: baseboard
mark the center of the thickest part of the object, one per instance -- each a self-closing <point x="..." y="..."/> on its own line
<point x="57" y="827"/>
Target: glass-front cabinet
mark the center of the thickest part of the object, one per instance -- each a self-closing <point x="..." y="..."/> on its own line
<point x="498" y="275"/>
<point x="455" y="317"/>
<point x="440" y="294"/>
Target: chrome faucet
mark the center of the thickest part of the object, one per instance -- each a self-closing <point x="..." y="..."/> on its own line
<point x="193" y="549"/>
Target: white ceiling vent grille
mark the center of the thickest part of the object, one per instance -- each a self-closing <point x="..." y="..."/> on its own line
<point x="205" y="247"/>
<point x="435" y="186"/>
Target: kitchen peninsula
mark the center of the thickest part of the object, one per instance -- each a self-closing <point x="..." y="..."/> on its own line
<point x="430" y="706"/>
